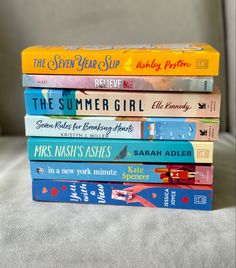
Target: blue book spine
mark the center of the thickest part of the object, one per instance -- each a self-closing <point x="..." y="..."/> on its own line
<point x="127" y="194"/>
<point x="123" y="172"/>
<point x="100" y="150"/>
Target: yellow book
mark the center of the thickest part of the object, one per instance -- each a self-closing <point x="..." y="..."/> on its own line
<point x="167" y="59"/>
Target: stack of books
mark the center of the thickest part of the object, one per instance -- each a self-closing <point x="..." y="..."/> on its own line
<point x="122" y="125"/>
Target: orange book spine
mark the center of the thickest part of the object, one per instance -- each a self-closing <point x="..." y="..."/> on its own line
<point x="175" y="59"/>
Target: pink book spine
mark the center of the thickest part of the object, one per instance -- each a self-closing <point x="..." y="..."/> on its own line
<point x="110" y="103"/>
<point x="144" y="83"/>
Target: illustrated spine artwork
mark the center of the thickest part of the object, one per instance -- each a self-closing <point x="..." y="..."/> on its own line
<point x="126" y="194"/>
<point x="115" y="150"/>
<point x="151" y="104"/>
<point x="132" y="83"/>
<point x="124" y="172"/>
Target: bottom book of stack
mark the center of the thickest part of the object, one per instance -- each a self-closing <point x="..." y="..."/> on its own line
<point x="128" y="194"/>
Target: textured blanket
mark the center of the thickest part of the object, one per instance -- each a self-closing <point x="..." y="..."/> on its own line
<point x="34" y="234"/>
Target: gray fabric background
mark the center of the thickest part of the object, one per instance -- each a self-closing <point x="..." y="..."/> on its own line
<point x="54" y="235"/>
<point x="58" y="235"/>
<point x="28" y="22"/>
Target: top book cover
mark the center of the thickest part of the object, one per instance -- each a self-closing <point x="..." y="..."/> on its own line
<point x="186" y="59"/>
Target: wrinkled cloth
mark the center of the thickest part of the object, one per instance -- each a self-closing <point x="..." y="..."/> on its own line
<point x="39" y="234"/>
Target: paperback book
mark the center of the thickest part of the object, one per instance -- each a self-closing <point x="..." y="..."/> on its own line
<point x="123" y="172"/>
<point x="115" y="150"/>
<point x="150" y="128"/>
<point x="164" y="59"/>
<point x="126" y="194"/>
<point x="154" y="104"/>
<point x="133" y="83"/>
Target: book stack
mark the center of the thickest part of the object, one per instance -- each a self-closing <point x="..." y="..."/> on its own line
<point x="122" y="125"/>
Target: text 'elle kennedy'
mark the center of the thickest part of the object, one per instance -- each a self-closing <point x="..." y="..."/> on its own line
<point x="103" y="104"/>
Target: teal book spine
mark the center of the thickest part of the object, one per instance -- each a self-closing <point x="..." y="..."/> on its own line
<point x="114" y="150"/>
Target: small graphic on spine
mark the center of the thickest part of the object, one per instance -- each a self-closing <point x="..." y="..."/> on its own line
<point x="201" y="106"/>
<point x="133" y="194"/>
<point x="123" y="153"/>
<point x="54" y="192"/>
<point x="151" y="129"/>
<point x="185" y="199"/>
<point x="202" y="64"/>
<point x="203" y="132"/>
<point x="128" y="65"/>
<point x="121" y="195"/>
<point x="200" y="200"/>
<point x="202" y="153"/>
<point x="40" y="170"/>
<point x="176" y="176"/>
<point x="44" y="190"/>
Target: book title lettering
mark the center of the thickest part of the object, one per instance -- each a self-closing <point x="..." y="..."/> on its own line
<point x="79" y="62"/>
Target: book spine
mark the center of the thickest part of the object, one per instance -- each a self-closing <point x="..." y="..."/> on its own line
<point x="187" y="60"/>
<point x="133" y="83"/>
<point x="115" y="150"/>
<point x="141" y="195"/>
<point x="123" y="172"/>
<point x="156" y="104"/>
<point x="122" y="128"/>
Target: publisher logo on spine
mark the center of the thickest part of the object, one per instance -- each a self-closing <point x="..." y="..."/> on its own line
<point x="202" y="64"/>
<point x="202" y="105"/>
<point x="203" y="132"/>
<point x="200" y="200"/>
<point x="202" y="153"/>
